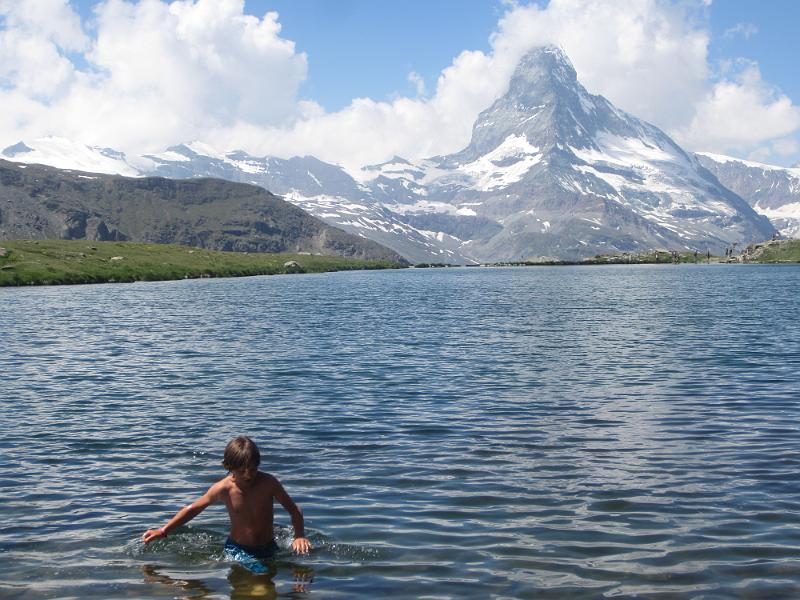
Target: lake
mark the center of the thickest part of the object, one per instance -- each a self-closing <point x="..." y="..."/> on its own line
<point x="548" y="432"/>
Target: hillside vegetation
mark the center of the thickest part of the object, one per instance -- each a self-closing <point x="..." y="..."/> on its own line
<point x="48" y="262"/>
<point x="776" y="251"/>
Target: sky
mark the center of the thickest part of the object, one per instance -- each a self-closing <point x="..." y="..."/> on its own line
<point x="356" y="82"/>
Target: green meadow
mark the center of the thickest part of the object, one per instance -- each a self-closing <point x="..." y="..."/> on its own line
<point x="778" y="251"/>
<point x="55" y="262"/>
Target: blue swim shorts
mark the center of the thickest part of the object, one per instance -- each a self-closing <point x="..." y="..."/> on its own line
<point x="251" y="557"/>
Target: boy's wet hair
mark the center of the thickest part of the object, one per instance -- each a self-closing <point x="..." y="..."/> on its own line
<point x="241" y="453"/>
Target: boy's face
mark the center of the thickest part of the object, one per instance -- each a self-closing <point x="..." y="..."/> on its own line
<point x="244" y="476"/>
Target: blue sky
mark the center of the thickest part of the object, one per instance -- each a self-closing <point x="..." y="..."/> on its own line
<point x="774" y="43"/>
<point x="718" y="76"/>
<point x="363" y="48"/>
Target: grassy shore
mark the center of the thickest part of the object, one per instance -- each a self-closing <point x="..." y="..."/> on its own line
<point x="54" y="262"/>
<point x="652" y="257"/>
<point x="768" y="252"/>
<point x="777" y="251"/>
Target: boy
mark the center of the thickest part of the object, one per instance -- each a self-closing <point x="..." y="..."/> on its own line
<point x="248" y="494"/>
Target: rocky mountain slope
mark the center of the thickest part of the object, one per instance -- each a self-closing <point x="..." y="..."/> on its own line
<point x="551" y="170"/>
<point x="324" y="190"/>
<point x="43" y="202"/>
<point x="772" y="191"/>
<point x="554" y="170"/>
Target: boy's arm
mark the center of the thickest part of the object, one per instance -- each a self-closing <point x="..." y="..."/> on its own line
<point x="186" y="514"/>
<point x="300" y="544"/>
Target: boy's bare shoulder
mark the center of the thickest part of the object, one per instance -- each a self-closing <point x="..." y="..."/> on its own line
<point x="269" y="478"/>
<point x="221" y="487"/>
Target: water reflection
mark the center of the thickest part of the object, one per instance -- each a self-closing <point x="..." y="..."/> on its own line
<point x="243" y="583"/>
<point x="193" y="588"/>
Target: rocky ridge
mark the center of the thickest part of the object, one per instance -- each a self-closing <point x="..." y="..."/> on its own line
<point x="772" y="191"/>
<point x="39" y="202"/>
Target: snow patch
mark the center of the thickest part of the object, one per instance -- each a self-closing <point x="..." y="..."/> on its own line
<point x="205" y="150"/>
<point x="488" y="175"/>
<point x="786" y="218"/>
<point x="170" y="156"/>
<point x="310" y="174"/>
<point x="66" y="154"/>
<point x="426" y="207"/>
<point x="246" y="166"/>
<point x="625" y="152"/>
<point x="722" y="159"/>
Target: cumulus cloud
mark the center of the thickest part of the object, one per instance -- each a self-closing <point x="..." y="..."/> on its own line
<point x="154" y="73"/>
<point x="157" y="73"/>
<point x="741" y="114"/>
<point x="32" y="46"/>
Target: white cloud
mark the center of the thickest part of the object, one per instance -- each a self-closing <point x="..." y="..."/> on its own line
<point x="746" y="30"/>
<point x="36" y="34"/>
<point x="49" y="19"/>
<point x="158" y="73"/>
<point x="368" y="131"/>
<point x="418" y="82"/>
<point x="155" y="73"/>
<point x="786" y="147"/>
<point x="742" y="114"/>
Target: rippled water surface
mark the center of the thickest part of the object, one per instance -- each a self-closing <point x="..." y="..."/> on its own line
<point x="509" y="433"/>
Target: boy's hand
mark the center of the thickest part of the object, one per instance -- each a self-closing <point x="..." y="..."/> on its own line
<point x="301" y="545"/>
<point x="152" y="534"/>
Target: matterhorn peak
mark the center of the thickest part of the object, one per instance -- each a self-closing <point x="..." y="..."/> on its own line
<point x="545" y="63"/>
<point x="545" y="103"/>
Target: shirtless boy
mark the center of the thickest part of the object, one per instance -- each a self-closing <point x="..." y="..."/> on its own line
<point x="248" y="494"/>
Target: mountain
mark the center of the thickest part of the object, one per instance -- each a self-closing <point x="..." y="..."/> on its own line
<point x="554" y="170"/>
<point x="44" y="202"/>
<point x="551" y="170"/>
<point x="65" y="154"/>
<point x="324" y="190"/>
<point x="772" y="191"/>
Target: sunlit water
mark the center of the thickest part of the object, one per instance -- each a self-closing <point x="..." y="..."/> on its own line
<point x="510" y="433"/>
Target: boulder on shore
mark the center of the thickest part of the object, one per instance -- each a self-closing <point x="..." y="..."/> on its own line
<point x="292" y="266"/>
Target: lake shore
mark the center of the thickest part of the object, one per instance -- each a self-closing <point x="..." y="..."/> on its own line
<point x="769" y="252"/>
<point x="65" y="262"/>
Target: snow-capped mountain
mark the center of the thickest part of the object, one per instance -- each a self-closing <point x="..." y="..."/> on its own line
<point x="550" y="170"/>
<point x="324" y="190"/>
<point x="772" y="191"/>
<point x="66" y="154"/>
<point x="563" y="172"/>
